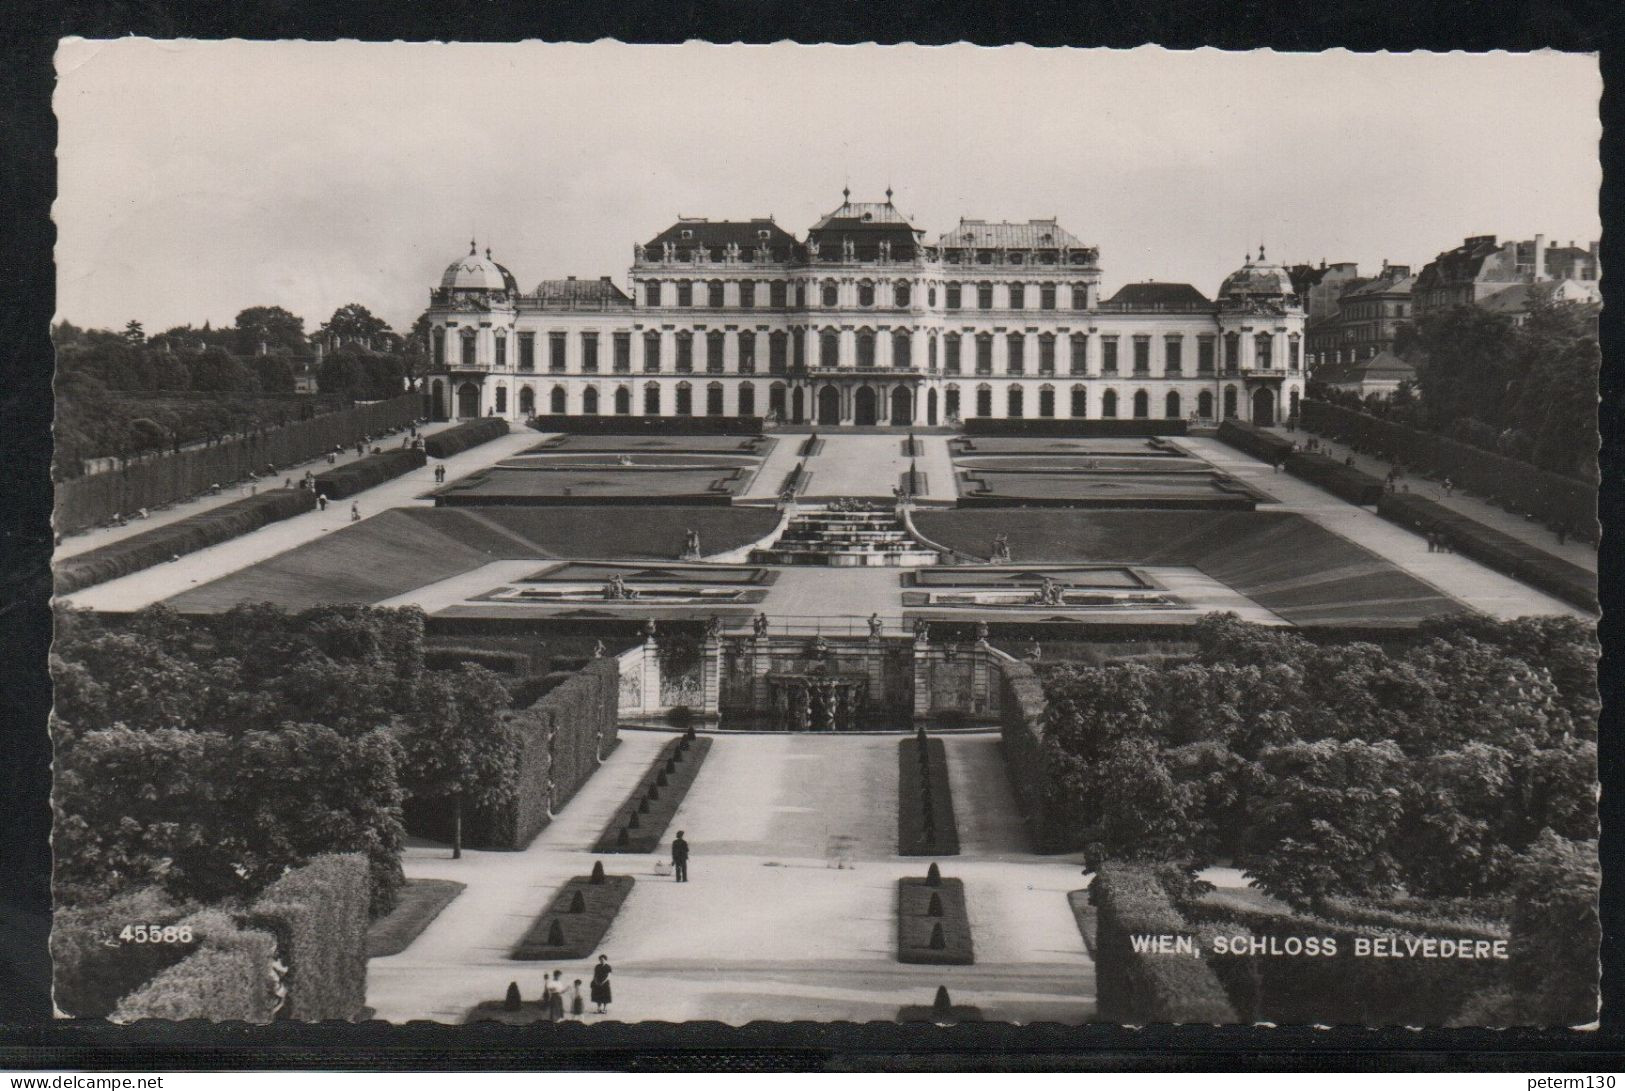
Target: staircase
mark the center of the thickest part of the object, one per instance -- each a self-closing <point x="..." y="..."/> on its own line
<point x="846" y="539"/>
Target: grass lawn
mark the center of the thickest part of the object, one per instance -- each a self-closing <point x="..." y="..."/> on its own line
<point x="916" y="924"/>
<point x="420" y="903"/>
<point x="641" y="821"/>
<point x="581" y="930"/>
<point x="912" y="804"/>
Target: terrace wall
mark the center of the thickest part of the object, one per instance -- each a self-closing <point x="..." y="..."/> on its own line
<point x="649" y="426"/>
<point x="1100" y="428"/>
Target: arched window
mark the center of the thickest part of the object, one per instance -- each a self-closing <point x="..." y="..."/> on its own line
<point x="866" y="293"/>
<point x="685" y="400"/>
<point x="714" y="295"/>
<point x="557" y="401"/>
<point x="1015" y="402"/>
<point x="623" y="401"/>
<point x="1080" y="401"/>
<point x="984" y="401"/>
<point x="747" y="400"/>
<point x="1046" y="401"/>
<point x="713" y="400"/>
<point x="866" y="348"/>
<point x="831" y="293"/>
<point x="468" y="400"/>
<point x="950" y="402"/>
<point x="527" y="401"/>
<point x="1142" y="404"/>
<point x="902" y="346"/>
<point x="437" y="339"/>
<point x="931" y="352"/>
<point x="1108" y="404"/>
<point x="900" y="293"/>
<point x="775" y="400"/>
<point x="1295" y="398"/>
<point x="1204" y="405"/>
<point x="651" y="399"/>
<point x="438" y="401"/>
<point x="502" y="401"/>
<point x="829" y="349"/>
<point x="1170" y="407"/>
<point x="1229" y="402"/>
<point x="589" y="401"/>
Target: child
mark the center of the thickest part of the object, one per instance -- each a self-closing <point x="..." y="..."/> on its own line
<point x="577" y="1006"/>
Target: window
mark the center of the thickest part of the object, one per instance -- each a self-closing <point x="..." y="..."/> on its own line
<point x="829" y="349"/>
<point x="527" y="352"/>
<point x="589" y="401"/>
<point x="1204" y="356"/>
<point x="502" y="400"/>
<point x="776" y="295"/>
<point x="984" y="401"/>
<point x="866" y="294"/>
<point x="713" y="352"/>
<point x="984" y="296"/>
<point x="1080" y="297"/>
<point x="747" y="400"/>
<point x="931" y="352"/>
<point x="866" y="349"/>
<point x="1229" y="402"/>
<point x="798" y="342"/>
<point x="1046" y="297"/>
<point x="651" y="293"/>
<point x="777" y="352"/>
<point x="1046" y="354"/>
<point x="1232" y="352"/>
<point x="1108" y="355"/>
<point x="1142" y="356"/>
<point x="1080" y="353"/>
<point x="1204" y="405"/>
<point x="1172" y="350"/>
<point x="1080" y="401"/>
<point x="1262" y="343"/>
<point x="950" y="402"/>
<point x="468" y="348"/>
<point x="984" y="354"/>
<point x="900" y="295"/>
<point x="1018" y="297"/>
<point x="714" y="296"/>
<point x="747" y="351"/>
<point x="1170" y="405"/>
<point x="1108" y="404"/>
<point x="831" y="293"/>
<point x="651" y="351"/>
<point x="651" y="400"/>
<point x="623" y="352"/>
<point x="1046" y="401"/>
<point x="950" y="346"/>
<point x="713" y="400"/>
<point x="623" y="401"/>
<point x="685" y="400"/>
<point x="555" y="352"/>
<point x="747" y="294"/>
<point x="902" y="350"/>
<point x="437" y="338"/>
<point x="1293" y="355"/>
<point x="685" y="294"/>
<point x="527" y="401"/>
<point x="931" y="297"/>
<point x="1014" y="400"/>
<point x="1015" y="354"/>
<point x="685" y="352"/>
<point x="589" y="352"/>
<point x="502" y="351"/>
<point x="557" y="401"/>
<point x="951" y="296"/>
<point x="1142" y="404"/>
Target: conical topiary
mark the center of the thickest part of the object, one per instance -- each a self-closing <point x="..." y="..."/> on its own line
<point x="933" y="908"/>
<point x="938" y="942"/>
<point x="920" y="736"/>
<point x="942" y="1004"/>
<point x="632" y="821"/>
<point x="621" y="838"/>
<point x="578" y="904"/>
<point x="652" y="794"/>
<point x="643" y="805"/>
<point x="689" y="736"/>
<point x="555" y="934"/>
<point x="933" y="876"/>
<point x="597" y="873"/>
<point x="510" y="1002"/>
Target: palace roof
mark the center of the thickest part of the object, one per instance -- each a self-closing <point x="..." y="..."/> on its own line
<point x="570" y="291"/>
<point x="1032" y="235"/>
<point x="1156" y="293"/>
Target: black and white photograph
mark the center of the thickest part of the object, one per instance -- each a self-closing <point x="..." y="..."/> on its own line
<point x="605" y="533"/>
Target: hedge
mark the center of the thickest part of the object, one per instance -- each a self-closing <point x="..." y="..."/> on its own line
<point x="912" y="804"/>
<point x="1550" y="497"/>
<point x="504" y="661"/>
<point x="640" y="822"/>
<point x="184" y="536"/>
<point x="463" y="436"/>
<point x="91" y="969"/>
<point x="649" y="426"/>
<point x="1018" y="426"/>
<point x="231" y="976"/>
<point x="1342" y="481"/>
<point x="1255" y="441"/>
<point x="318" y="914"/>
<point x="562" y="739"/>
<point x="340" y="482"/>
<point x="1021" y="726"/>
<point x="1493" y="548"/>
<point x="916" y="925"/>
<point x="581" y="932"/>
<point x="93" y="499"/>
<point x="1134" y="987"/>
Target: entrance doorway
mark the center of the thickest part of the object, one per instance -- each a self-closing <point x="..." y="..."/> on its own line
<point x="829" y="406"/>
<point x="797" y="412"/>
<point x="1264" y="407"/>
<point x="931" y="408"/>
<point x="468" y="400"/>
<point x="902" y="405"/>
<point x="864" y="410"/>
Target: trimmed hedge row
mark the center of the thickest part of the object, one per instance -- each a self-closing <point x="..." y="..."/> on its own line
<point x="1549" y="497"/>
<point x="940" y="938"/>
<point x="1344" y="482"/>
<point x="1021" y="728"/>
<point x="175" y="539"/>
<point x="230" y="976"/>
<point x="93" y="499"/>
<point x="463" y="436"/>
<point x="576" y="920"/>
<point x="1493" y="549"/>
<point x="997" y="426"/>
<point x="504" y="661"/>
<point x="922" y="788"/>
<point x="318" y="914"/>
<point x="341" y="482"/>
<point x="1136" y="987"/>
<point x="641" y="821"/>
<point x="1255" y="441"/>
<point x="92" y="969"/>
<point x="649" y="426"/>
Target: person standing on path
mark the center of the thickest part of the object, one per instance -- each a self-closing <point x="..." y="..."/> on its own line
<point x="355" y="511"/>
<point x="679" y="858"/>
<point x="577" y="1007"/>
<point x="555" y="997"/>
<point x="601" y="995"/>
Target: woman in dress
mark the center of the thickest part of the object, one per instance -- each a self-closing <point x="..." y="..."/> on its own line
<point x="555" y="997"/>
<point x="601" y="995"/>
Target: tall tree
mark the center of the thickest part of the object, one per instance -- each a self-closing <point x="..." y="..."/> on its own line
<point x="134" y="334"/>
<point x="271" y="326"/>
<point x="353" y="324"/>
<point x="460" y="747"/>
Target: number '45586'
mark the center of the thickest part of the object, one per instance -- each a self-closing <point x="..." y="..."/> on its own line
<point x="152" y="933"/>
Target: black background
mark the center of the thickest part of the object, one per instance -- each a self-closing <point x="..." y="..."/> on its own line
<point x="29" y="1038"/>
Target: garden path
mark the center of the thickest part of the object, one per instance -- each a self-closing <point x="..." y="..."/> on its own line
<point x="871" y="465"/>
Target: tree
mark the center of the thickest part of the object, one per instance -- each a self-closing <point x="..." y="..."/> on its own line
<point x="1556" y="931"/>
<point x="353" y="324"/>
<point x="134" y="334"/>
<point x="459" y="746"/>
<point x="273" y="374"/>
<point x="273" y="327"/>
<point x="219" y="372"/>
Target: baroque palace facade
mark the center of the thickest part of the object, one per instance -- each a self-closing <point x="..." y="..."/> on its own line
<point x="864" y="322"/>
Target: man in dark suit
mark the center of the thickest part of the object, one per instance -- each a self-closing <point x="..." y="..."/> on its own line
<point x="679" y="857"/>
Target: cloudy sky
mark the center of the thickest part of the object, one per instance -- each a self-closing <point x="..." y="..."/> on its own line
<point x="199" y="178"/>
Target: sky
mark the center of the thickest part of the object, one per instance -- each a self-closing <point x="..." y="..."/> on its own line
<point x="200" y="178"/>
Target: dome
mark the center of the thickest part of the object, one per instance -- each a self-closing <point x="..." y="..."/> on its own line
<point x="1257" y="278"/>
<point x="474" y="273"/>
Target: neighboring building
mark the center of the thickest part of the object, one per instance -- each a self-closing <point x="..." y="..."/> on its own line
<point x="1481" y="267"/>
<point x="1514" y="300"/>
<point x="864" y="322"/>
<point x="1380" y="374"/>
<point x="1320" y="287"/>
<point x="1369" y="314"/>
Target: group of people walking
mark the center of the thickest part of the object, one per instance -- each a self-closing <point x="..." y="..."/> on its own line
<point x="561" y="1001"/>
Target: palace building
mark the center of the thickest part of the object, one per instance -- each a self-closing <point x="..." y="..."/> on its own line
<point x="865" y="321"/>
